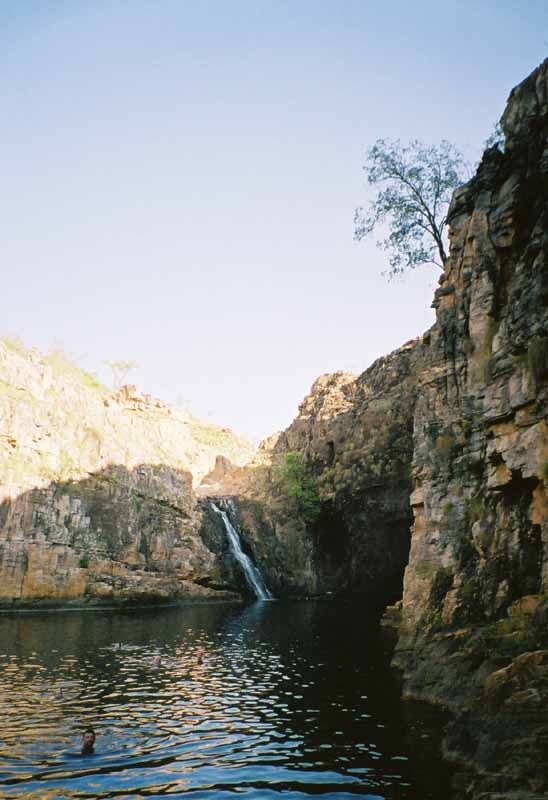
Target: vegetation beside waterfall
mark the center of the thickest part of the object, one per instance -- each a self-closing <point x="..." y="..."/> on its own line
<point x="300" y="487"/>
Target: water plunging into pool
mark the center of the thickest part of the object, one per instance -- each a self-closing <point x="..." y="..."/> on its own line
<point x="252" y="574"/>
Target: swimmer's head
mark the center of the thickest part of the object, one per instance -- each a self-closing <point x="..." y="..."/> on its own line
<point x="88" y="740"/>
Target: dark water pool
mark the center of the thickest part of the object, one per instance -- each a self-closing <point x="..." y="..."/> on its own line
<point x="272" y="700"/>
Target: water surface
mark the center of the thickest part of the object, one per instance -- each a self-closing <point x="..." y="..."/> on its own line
<point x="272" y="700"/>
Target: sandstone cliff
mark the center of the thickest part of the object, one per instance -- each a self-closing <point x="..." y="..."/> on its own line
<point x="433" y="461"/>
<point x="96" y="497"/>
<point x="453" y="428"/>
<point x="354" y="435"/>
<point x="474" y="615"/>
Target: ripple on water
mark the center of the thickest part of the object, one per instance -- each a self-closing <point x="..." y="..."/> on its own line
<point x="248" y="700"/>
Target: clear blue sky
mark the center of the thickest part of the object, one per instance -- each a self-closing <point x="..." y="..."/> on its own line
<point x="179" y="180"/>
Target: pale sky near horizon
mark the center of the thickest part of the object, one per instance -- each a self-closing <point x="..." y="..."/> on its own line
<point x="179" y="180"/>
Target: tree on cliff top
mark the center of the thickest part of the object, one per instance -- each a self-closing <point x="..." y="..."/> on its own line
<point x="415" y="182"/>
<point x="120" y="371"/>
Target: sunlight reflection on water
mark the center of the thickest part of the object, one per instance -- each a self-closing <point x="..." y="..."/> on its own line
<point x="268" y="699"/>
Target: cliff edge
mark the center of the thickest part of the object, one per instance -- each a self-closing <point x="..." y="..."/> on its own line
<point x="474" y="630"/>
<point x="96" y="491"/>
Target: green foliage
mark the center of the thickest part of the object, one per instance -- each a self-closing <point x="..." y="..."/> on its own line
<point x="300" y="487"/>
<point x="211" y="435"/>
<point x="508" y="637"/>
<point x="61" y="363"/>
<point x="537" y="357"/>
<point x="491" y="331"/>
<point x="84" y="562"/>
<point x="416" y="183"/>
<point x="476" y="507"/>
<point x="16" y="344"/>
<point x="468" y="590"/>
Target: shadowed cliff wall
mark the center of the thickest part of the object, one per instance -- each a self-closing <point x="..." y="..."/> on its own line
<point x="454" y="428"/>
<point x="116" y="537"/>
<point x="354" y="435"/>
<point x="96" y="498"/>
<point x="474" y="628"/>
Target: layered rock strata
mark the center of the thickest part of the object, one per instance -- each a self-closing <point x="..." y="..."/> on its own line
<point x="474" y="629"/>
<point x="96" y="497"/>
<point x="354" y="436"/>
<point x="447" y="436"/>
<point x="454" y="428"/>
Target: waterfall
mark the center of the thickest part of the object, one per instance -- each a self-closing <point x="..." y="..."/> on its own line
<point x="252" y="574"/>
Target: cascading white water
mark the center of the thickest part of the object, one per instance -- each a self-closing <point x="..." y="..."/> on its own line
<point x="252" y="574"/>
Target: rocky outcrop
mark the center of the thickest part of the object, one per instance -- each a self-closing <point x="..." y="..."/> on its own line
<point x="474" y="609"/>
<point x="453" y="428"/>
<point x="436" y="458"/>
<point x="354" y="437"/>
<point x="96" y="492"/>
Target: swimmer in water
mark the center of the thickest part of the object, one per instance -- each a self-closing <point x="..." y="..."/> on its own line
<point x="88" y="742"/>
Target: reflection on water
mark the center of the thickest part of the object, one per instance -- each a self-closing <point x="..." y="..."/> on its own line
<point x="268" y="700"/>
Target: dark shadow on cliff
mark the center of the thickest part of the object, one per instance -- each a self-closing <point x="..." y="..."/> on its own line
<point x="360" y="456"/>
<point x="361" y="548"/>
<point x="117" y="536"/>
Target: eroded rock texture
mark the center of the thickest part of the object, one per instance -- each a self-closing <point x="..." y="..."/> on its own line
<point x="443" y="443"/>
<point x="354" y="435"/>
<point x="474" y="618"/>
<point x="96" y="498"/>
<point x="453" y="428"/>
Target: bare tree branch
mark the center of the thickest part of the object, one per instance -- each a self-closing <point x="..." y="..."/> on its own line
<point x="415" y="184"/>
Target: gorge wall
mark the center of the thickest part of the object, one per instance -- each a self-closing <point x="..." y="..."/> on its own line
<point x="474" y="629"/>
<point x="424" y="479"/>
<point x="453" y="428"/>
<point x="355" y="438"/>
<point x="96" y="491"/>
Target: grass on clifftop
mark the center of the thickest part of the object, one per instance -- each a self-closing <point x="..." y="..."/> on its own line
<point x="16" y="344"/>
<point x="211" y="435"/>
<point x="60" y="363"/>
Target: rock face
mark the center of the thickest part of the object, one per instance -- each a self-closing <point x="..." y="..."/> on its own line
<point x="354" y="436"/>
<point x="434" y="460"/>
<point x="96" y="497"/>
<point x="454" y="428"/>
<point x="474" y="608"/>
